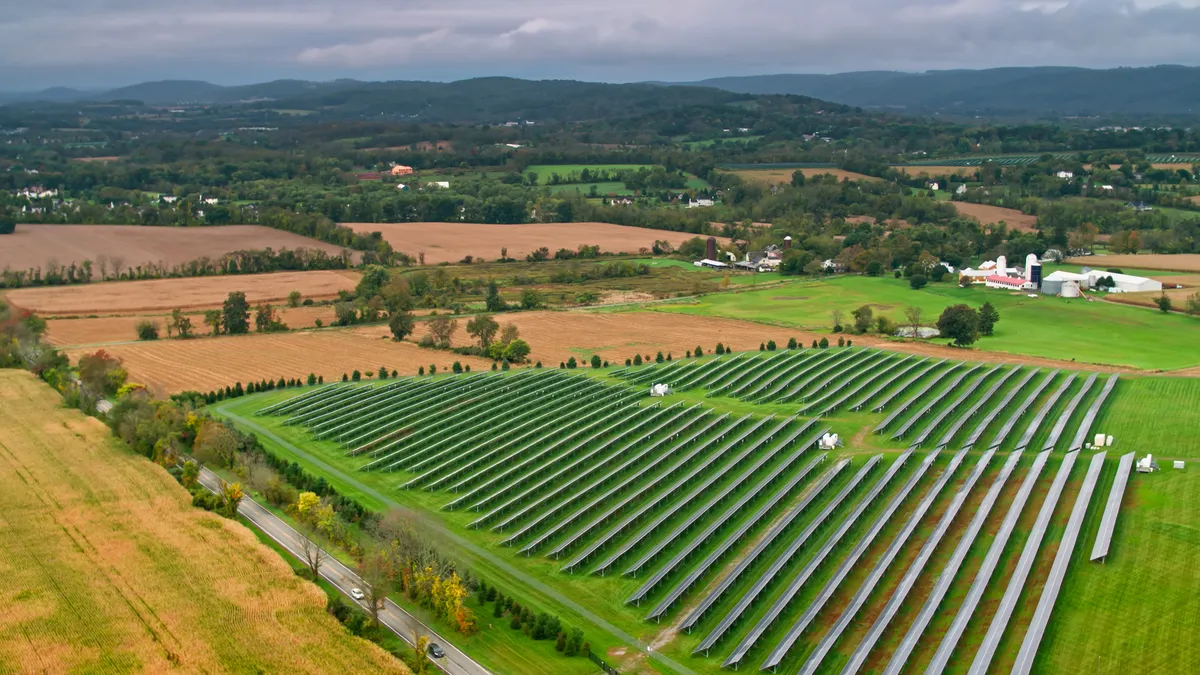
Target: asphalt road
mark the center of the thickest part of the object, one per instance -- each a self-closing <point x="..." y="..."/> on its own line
<point x="400" y="622"/>
<point x="465" y="546"/>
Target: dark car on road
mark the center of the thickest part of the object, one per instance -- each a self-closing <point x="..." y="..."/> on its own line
<point x="435" y="651"/>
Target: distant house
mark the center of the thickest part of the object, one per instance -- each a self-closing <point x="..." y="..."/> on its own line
<point x="402" y="186"/>
<point x="169" y="199"/>
<point x="833" y="266"/>
<point x="514" y="146"/>
<point x="1139" y="206"/>
<point x="37" y="192"/>
<point x="401" y="170"/>
<point x="699" y="203"/>
<point x="438" y="184"/>
<point x="933" y="186"/>
<point x="962" y="189"/>
<point x="1066" y="175"/>
<point x="1107" y="187"/>
<point x="211" y="201"/>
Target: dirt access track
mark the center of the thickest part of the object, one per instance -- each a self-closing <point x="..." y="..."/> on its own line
<point x="39" y="245"/>
<point x="451" y="242"/>
<point x="157" y="295"/>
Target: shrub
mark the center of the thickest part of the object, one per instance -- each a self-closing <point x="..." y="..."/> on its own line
<point x="383" y="373"/>
<point x="917" y="281"/>
<point x="770" y="345"/>
<point x="595" y="361"/>
<point x="504" y="365"/>
<point x="841" y="342"/>
<point x="467" y="368"/>
<point x="572" y="363"/>
<point x="698" y="352"/>
<point x="637" y="360"/>
<point x="495" y="366"/>
<point x="147" y="330"/>
<point x="762" y="346"/>
<point x="456" y="367"/>
<point x="421" y="370"/>
<point x="319" y="323"/>
<point x="345" y="377"/>
<point x="814" y="345"/>
<point x="689" y="354"/>
<point x="659" y="358"/>
<point x="432" y="369"/>
<point x="628" y="362"/>
<point x="536" y="365"/>
<point x="312" y="379"/>
<point x="791" y="343"/>
<point x="874" y="268"/>
<point x="896" y="274"/>
<point x="824" y="343"/>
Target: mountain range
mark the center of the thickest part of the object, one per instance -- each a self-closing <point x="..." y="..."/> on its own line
<point x="1029" y="93"/>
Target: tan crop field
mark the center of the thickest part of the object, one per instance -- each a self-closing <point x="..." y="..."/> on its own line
<point x="171" y="366"/>
<point x="130" y="297"/>
<point x="774" y="176"/>
<point x="90" y="331"/>
<point x="990" y="215"/>
<point x="38" y="245"/>
<point x="1178" y="298"/>
<point x="451" y="242"/>
<point x="108" y="567"/>
<point x="1170" y="262"/>
<point x="616" y="336"/>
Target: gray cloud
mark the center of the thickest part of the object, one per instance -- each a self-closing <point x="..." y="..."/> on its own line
<point x="89" y="43"/>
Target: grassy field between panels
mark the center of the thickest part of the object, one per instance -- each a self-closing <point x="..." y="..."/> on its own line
<point x="1133" y="402"/>
<point x="1044" y="326"/>
<point x="109" y="568"/>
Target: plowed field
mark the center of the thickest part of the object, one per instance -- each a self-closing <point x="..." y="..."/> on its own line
<point x="451" y="242"/>
<point x="169" y="366"/>
<point x="73" y="332"/>
<point x="990" y="215"/>
<point x="126" y="297"/>
<point x="774" y="176"/>
<point x="1178" y="262"/>
<point x="38" y="245"/>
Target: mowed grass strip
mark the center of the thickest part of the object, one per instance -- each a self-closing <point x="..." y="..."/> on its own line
<point x="107" y="567"/>
<point x="1044" y="326"/>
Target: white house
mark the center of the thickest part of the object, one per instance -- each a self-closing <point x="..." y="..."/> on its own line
<point x="1066" y="175"/>
<point x="211" y="201"/>
<point x="699" y="203"/>
<point x="439" y="184"/>
<point x="168" y="199"/>
<point x="37" y="192"/>
<point x="962" y="189"/>
<point x="933" y="186"/>
<point x="1107" y="187"/>
<point x="401" y="186"/>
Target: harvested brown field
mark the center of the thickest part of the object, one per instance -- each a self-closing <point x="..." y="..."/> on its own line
<point x="157" y="295"/>
<point x="1185" y="280"/>
<point x="615" y="336"/>
<point x="74" y="332"/>
<point x="990" y="215"/>
<point x="773" y="176"/>
<point x="109" y="568"/>
<point x="170" y="366"/>
<point x="112" y="158"/>
<point x="39" y="245"/>
<point x="451" y="242"/>
<point x="1178" y="297"/>
<point x="1170" y="262"/>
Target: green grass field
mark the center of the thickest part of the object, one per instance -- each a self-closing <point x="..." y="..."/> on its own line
<point x="1151" y="545"/>
<point x="1070" y="330"/>
<point x="602" y="189"/>
<point x="544" y="171"/>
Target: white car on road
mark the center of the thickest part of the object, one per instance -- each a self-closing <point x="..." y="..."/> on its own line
<point x="357" y="593"/>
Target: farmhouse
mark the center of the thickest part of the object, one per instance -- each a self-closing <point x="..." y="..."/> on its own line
<point x="401" y="170"/>
<point x="439" y="184"/>
<point x="699" y="203"/>
<point x="766" y="260"/>
<point x="37" y="192"/>
<point x="997" y="274"/>
<point x="1067" y="175"/>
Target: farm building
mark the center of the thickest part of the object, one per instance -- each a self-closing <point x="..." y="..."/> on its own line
<point x="401" y="170"/>
<point x="1123" y="283"/>
<point x="1009" y="283"/>
<point x="713" y="264"/>
<point x="766" y="260"/>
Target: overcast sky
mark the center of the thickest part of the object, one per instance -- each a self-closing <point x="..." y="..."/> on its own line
<point x="104" y="43"/>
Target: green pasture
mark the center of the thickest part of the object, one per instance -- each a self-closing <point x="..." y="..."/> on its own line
<point x="1069" y="330"/>
<point x="544" y="171"/>
<point x="602" y="189"/>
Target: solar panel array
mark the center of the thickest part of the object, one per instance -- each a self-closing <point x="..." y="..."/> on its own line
<point x="666" y="494"/>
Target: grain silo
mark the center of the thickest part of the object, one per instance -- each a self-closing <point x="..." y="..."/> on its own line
<point x="1033" y="270"/>
<point x="787" y="242"/>
<point x="710" y="248"/>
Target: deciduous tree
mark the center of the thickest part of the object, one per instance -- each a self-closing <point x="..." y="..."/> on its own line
<point x="483" y="328"/>
<point x="912" y="315"/>
<point x="988" y="317"/>
<point x="401" y="324"/>
<point x="959" y="323"/>
<point x="442" y="329"/>
<point x="235" y="314"/>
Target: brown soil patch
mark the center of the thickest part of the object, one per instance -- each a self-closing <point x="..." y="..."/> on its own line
<point x="74" y="332"/>
<point x="451" y="242"/>
<point x="106" y="562"/>
<point x="1185" y="280"/>
<point x="113" y="158"/>
<point x="1195" y="200"/>
<point x="170" y="366"/>
<point x="128" y="297"/>
<point x="990" y="215"/>
<point x="38" y="245"/>
<point x="774" y="176"/>
<point x="1172" y="262"/>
